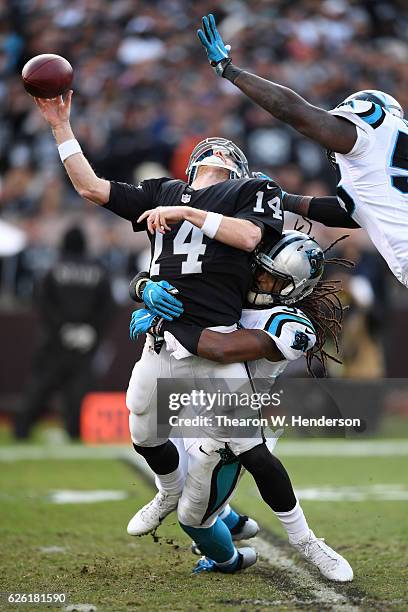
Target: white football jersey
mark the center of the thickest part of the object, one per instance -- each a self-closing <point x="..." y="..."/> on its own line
<point x="373" y="181"/>
<point x="291" y="330"/>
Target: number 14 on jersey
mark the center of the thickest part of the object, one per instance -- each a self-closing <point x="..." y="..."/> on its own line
<point x="274" y="204"/>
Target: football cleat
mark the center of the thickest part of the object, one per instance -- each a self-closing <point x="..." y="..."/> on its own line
<point x="246" y="557"/>
<point x="330" y="564"/>
<point x="151" y="515"/>
<point x="245" y="529"/>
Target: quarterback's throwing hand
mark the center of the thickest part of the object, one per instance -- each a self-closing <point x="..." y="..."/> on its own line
<point x="217" y="51"/>
<point x="161" y="217"/>
<point x="56" y="110"/>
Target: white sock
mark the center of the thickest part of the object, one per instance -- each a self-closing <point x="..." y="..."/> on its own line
<point x="230" y="561"/>
<point x="295" y="523"/>
<point x="225" y="512"/>
<point x="171" y="483"/>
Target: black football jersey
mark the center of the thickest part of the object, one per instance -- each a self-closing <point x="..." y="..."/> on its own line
<point x="212" y="278"/>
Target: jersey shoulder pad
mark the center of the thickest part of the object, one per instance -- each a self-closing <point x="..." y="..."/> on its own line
<point x="291" y="330"/>
<point x="369" y="113"/>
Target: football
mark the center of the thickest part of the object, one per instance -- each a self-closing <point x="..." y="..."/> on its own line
<point x="47" y="76"/>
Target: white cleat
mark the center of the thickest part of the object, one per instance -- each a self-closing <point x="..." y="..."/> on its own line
<point x="248" y="557"/>
<point x="330" y="564"/>
<point x="247" y="528"/>
<point x="151" y="515"/>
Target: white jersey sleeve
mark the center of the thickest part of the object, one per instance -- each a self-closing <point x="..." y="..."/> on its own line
<point x="366" y="116"/>
<point x="292" y="331"/>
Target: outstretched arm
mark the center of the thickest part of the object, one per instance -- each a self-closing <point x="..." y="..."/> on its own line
<point x="83" y="178"/>
<point x="238" y="346"/>
<point x="332" y="132"/>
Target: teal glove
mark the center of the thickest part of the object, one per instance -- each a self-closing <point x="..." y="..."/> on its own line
<point x="141" y="321"/>
<point x="261" y="175"/>
<point x="217" y="51"/>
<point x="160" y="301"/>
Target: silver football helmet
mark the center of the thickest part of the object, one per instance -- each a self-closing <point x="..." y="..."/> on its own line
<point x="386" y="101"/>
<point x="296" y="264"/>
<point x="204" y="155"/>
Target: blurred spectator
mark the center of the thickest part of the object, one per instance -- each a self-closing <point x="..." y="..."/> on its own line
<point x="75" y="306"/>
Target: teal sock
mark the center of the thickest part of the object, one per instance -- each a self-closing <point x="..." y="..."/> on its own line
<point x="215" y="542"/>
<point x="229" y="517"/>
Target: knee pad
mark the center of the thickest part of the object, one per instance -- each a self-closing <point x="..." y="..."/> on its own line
<point x="140" y="396"/>
<point x="190" y="515"/>
<point x="143" y="430"/>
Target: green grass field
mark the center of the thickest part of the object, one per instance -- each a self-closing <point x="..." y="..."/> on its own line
<point x="82" y="549"/>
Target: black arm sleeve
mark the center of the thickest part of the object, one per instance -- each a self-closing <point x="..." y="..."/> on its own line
<point x="329" y="211"/>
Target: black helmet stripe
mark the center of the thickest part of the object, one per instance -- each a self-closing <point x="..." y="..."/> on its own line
<point x="284" y="244"/>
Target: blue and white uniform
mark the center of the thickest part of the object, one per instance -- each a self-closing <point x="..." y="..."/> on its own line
<point x="211" y="476"/>
<point x="373" y="181"/>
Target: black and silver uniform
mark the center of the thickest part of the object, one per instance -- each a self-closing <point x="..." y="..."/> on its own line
<point x="212" y="278"/>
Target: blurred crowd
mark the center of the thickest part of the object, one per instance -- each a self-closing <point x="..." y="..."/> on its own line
<point x="144" y="95"/>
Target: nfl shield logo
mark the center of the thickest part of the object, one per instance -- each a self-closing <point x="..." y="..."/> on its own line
<point x="185" y="198"/>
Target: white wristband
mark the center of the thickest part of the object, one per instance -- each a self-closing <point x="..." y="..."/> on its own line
<point x="211" y="224"/>
<point x="68" y="148"/>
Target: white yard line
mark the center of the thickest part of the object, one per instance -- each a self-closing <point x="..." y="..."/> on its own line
<point x="342" y="448"/>
<point x="296" y="448"/>
<point x="321" y="593"/>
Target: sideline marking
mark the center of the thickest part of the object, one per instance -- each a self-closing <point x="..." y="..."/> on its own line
<point x="312" y="448"/>
<point x="68" y="496"/>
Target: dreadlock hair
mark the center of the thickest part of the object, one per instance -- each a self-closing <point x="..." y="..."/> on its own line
<point x="325" y="310"/>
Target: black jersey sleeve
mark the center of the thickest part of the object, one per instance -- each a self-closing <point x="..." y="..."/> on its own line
<point x="260" y="201"/>
<point x="130" y="201"/>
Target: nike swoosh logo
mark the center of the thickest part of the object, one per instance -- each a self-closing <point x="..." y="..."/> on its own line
<point x="270" y="186"/>
<point x="150" y="296"/>
<point x="203" y="451"/>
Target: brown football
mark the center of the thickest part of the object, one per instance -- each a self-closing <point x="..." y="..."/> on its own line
<point x="47" y="76"/>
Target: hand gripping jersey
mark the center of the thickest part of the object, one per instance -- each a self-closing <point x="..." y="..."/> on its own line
<point x="373" y="180"/>
<point x="290" y="329"/>
<point x="212" y="278"/>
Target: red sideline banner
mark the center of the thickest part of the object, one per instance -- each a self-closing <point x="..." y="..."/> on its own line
<point x="104" y="418"/>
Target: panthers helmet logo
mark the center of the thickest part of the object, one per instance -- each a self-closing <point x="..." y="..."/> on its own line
<point x="316" y="260"/>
